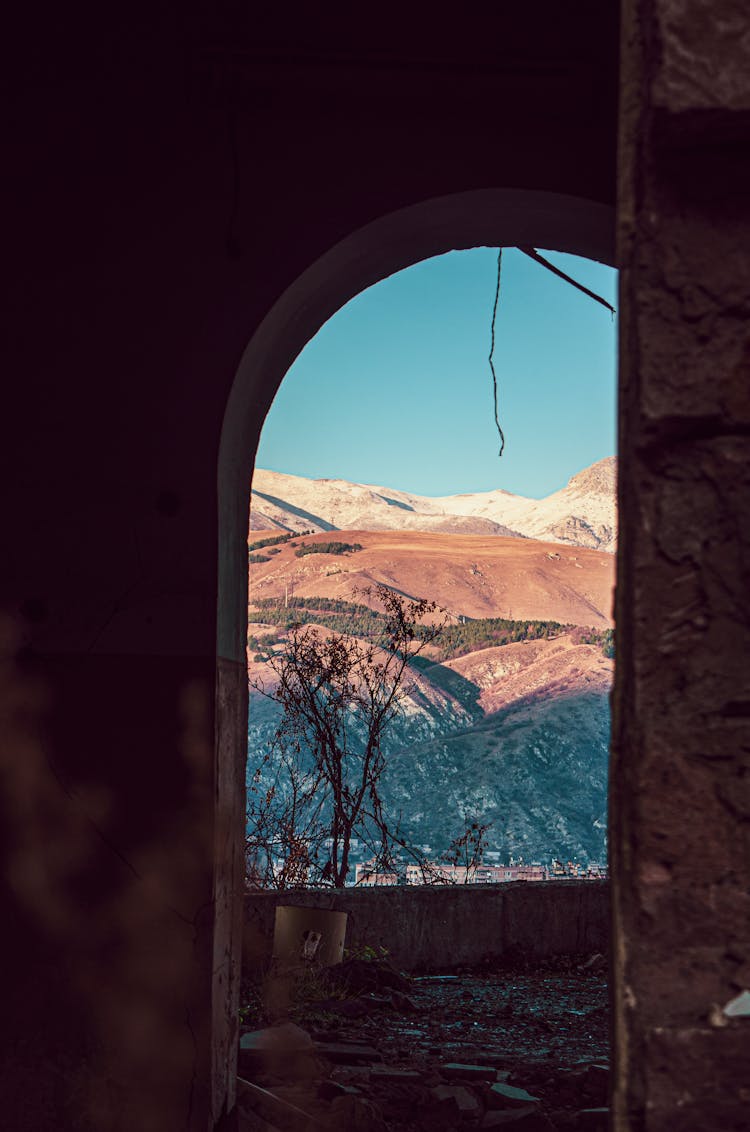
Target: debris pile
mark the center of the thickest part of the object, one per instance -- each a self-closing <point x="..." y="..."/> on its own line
<point x="361" y="1047"/>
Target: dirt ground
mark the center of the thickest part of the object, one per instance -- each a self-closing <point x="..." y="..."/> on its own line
<point x="437" y="1051"/>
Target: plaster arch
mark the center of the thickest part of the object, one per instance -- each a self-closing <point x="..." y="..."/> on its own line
<point x="484" y="218"/>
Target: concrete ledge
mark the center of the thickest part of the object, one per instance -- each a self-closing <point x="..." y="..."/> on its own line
<point x="441" y="926"/>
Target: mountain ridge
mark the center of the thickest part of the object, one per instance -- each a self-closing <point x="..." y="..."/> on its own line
<point x="583" y="513"/>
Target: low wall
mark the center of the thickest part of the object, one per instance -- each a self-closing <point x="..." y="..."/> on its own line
<point x="441" y="926"/>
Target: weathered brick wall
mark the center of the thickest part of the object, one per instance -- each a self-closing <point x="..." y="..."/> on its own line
<point x="439" y="926"/>
<point x="680" y="784"/>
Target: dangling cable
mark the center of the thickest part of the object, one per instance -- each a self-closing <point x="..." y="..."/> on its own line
<point x="534" y="254"/>
<point x="492" y="350"/>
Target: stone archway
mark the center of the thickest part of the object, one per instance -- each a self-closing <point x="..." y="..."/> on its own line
<point x="491" y="218"/>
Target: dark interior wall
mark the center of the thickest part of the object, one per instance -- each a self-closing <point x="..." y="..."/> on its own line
<point x="166" y="180"/>
<point x="680" y="785"/>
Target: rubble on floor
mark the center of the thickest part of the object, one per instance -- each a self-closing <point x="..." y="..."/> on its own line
<point x="365" y="1048"/>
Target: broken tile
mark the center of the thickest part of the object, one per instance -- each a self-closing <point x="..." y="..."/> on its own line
<point x="347" y="1053"/>
<point x="506" y="1096"/>
<point x="738" y="1007"/>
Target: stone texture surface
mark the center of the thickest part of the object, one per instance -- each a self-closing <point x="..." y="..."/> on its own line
<point x="681" y="769"/>
<point x="704" y="55"/>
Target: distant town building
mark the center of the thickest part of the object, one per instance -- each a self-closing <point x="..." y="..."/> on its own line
<point x="367" y="874"/>
<point x="439" y="872"/>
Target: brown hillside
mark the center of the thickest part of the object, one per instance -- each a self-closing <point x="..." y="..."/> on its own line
<point x="534" y="669"/>
<point x="470" y="575"/>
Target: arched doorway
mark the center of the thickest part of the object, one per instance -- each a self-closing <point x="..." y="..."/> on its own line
<point x="493" y="218"/>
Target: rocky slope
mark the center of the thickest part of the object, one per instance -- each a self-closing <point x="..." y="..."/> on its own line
<point x="516" y="735"/>
<point x="583" y="513"/>
<point x="537" y="770"/>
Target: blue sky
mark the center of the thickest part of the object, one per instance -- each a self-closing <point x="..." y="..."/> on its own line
<point x="396" y="390"/>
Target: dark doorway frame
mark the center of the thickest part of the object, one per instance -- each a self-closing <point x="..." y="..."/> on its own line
<point x="484" y="218"/>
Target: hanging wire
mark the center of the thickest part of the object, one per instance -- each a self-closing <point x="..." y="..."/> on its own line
<point x="534" y="254"/>
<point x="492" y="350"/>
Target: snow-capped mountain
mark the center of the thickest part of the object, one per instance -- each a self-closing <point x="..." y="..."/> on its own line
<point x="583" y="513"/>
